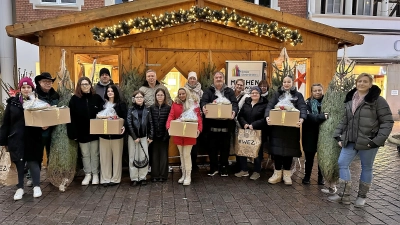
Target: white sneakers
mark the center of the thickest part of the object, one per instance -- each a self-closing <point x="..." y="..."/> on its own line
<point x="18" y="194"/>
<point x="37" y="192"/>
<point x="95" y="179"/>
<point x="87" y="179"/>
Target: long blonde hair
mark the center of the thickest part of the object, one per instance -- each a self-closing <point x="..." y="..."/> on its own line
<point x="189" y="96"/>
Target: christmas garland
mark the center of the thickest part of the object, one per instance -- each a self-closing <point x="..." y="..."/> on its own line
<point x="194" y="14"/>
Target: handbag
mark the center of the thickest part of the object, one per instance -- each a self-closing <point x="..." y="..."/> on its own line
<point x="140" y="163"/>
<point x="248" y="143"/>
<point x="8" y="170"/>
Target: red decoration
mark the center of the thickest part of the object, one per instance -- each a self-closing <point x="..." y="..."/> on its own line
<point x="13" y="92"/>
<point x="301" y="78"/>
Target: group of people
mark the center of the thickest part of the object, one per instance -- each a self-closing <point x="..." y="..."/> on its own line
<point x="365" y="127"/>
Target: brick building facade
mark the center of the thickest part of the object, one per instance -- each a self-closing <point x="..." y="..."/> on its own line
<point x="295" y="7"/>
<point x="24" y="10"/>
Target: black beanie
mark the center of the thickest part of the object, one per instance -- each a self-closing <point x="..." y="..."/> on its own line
<point x="104" y="70"/>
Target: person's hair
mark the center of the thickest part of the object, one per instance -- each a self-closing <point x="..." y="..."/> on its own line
<point x="78" y="89"/>
<point x="117" y="98"/>
<point x="263" y="83"/>
<point x="316" y="85"/>
<point x="150" y="70"/>
<point x="239" y="80"/>
<point x="137" y="92"/>
<point x="219" y="72"/>
<point x="371" y="79"/>
<point x="155" y="97"/>
<point x="189" y="95"/>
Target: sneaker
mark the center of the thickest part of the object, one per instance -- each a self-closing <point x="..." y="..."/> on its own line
<point x="224" y="171"/>
<point x="18" y="194"/>
<point x="37" y="192"/>
<point x="329" y="190"/>
<point x="95" y="178"/>
<point x="255" y="176"/>
<point x="29" y="183"/>
<point x="242" y="174"/>
<point x="212" y="173"/>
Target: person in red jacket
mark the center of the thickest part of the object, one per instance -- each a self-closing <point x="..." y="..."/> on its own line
<point x="183" y="102"/>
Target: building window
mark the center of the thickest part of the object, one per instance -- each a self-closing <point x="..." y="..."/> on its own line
<point x="364" y="7"/>
<point x="332" y="6"/>
<point x="266" y="3"/>
<point x="57" y="4"/>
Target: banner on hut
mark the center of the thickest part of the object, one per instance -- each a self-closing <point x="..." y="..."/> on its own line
<point x="252" y="72"/>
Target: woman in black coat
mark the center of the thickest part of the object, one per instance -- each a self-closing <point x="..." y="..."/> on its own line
<point x="84" y="105"/>
<point x="285" y="141"/>
<point x="311" y="131"/>
<point x="251" y="116"/>
<point x="159" y="147"/>
<point x="22" y="142"/>
<point x="111" y="146"/>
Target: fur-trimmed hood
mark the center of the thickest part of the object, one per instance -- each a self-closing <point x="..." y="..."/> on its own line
<point x="293" y="90"/>
<point x="373" y="94"/>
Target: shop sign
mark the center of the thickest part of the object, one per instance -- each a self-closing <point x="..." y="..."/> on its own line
<point x="394" y="92"/>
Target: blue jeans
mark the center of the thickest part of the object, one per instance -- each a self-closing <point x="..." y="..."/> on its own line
<point x="347" y="156"/>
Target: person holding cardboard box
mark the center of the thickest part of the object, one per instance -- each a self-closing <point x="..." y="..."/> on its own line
<point x="23" y="142"/>
<point x="159" y="113"/>
<point x="184" y="102"/>
<point x="251" y="116"/>
<point x="220" y="129"/>
<point x="284" y="140"/>
<point x="84" y="105"/>
<point x="111" y="146"/>
<point x="140" y="129"/>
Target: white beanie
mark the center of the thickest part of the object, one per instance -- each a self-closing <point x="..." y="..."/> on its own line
<point x="192" y="74"/>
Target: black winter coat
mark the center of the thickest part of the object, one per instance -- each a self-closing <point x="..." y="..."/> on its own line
<point x="285" y="141"/>
<point x="82" y="110"/>
<point x="122" y="111"/>
<point x="371" y="123"/>
<point x="24" y="143"/>
<point x="311" y="127"/>
<point x="134" y="124"/>
<point x="253" y="115"/>
<point x="159" y="115"/>
<point x="209" y="96"/>
<point x="100" y="89"/>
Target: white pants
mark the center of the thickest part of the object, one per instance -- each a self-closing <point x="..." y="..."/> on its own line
<point x="111" y="160"/>
<point x="186" y="159"/>
<point x="90" y="157"/>
<point x="135" y="151"/>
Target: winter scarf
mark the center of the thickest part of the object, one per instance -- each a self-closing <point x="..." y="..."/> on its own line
<point x="195" y="89"/>
<point x="314" y="106"/>
<point x="357" y="99"/>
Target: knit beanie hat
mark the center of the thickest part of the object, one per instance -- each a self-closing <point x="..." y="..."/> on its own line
<point x="255" y="88"/>
<point x="104" y="70"/>
<point x="26" y="81"/>
<point x="192" y="74"/>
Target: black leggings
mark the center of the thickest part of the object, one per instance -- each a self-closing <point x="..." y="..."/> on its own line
<point x="34" y="169"/>
<point x="285" y="161"/>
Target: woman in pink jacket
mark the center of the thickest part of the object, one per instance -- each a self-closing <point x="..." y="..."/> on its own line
<point x="183" y="102"/>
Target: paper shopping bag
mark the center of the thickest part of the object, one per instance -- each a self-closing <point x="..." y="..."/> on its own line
<point x="249" y="142"/>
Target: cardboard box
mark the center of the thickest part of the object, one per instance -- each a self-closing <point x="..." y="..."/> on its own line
<point x="219" y="111"/>
<point x="106" y="126"/>
<point x="284" y="118"/>
<point x="47" y="117"/>
<point x="183" y="129"/>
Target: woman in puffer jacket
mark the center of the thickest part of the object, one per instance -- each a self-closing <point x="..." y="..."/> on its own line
<point x="183" y="102"/>
<point x="366" y="125"/>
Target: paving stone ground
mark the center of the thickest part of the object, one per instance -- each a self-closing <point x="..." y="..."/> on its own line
<point x="209" y="200"/>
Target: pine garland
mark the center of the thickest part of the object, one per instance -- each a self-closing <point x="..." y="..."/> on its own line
<point x="64" y="152"/>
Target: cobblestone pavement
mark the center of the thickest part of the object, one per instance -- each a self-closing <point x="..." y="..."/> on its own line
<point x="209" y="200"/>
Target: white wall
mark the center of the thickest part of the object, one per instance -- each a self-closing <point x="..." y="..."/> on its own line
<point x="27" y="56"/>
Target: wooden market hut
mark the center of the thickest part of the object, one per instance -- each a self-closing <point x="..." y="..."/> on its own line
<point x="184" y="46"/>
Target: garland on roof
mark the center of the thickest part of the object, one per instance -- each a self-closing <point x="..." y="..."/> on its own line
<point x="194" y="14"/>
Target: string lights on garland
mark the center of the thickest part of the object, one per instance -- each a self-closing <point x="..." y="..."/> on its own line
<point x="194" y="14"/>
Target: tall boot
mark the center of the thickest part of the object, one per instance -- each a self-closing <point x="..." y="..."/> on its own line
<point x="180" y="181"/>
<point x="287" y="177"/>
<point x="276" y="177"/>
<point x="363" y="189"/>
<point x="343" y="195"/>
<point x="188" y="179"/>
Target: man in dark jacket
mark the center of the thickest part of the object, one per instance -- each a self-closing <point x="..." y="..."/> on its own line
<point x="46" y="93"/>
<point x="105" y="80"/>
<point x="219" y="130"/>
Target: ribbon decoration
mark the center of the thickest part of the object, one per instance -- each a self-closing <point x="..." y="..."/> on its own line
<point x="283" y="116"/>
<point x="184" y="128"/>
<point x="219" y="110"/>
<point x="104" y="126"/>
